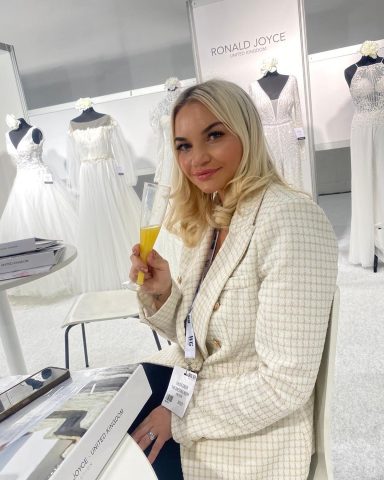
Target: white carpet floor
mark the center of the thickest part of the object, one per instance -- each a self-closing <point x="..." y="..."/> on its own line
<point x="357" y="408"/>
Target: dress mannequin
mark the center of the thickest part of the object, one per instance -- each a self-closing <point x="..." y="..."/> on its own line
<point x="168" y="245"/>
<point x="276" y="97"/>
<point x="273" y="83"/>
<point x="364" y="61"/>
<point x="366" y="83"/>
<point x="102" y="173"/>
<point x="17" y="134"/>
<point x="37" y="206"/>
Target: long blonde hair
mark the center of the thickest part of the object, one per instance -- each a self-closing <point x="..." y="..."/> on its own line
<point x="191" y="210"/>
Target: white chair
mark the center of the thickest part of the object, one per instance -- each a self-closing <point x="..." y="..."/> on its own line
<point x="100" y="306"/>
<point x="321" y="465"/>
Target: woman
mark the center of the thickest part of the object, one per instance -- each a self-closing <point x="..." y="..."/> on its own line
<point x="261" y="313"/>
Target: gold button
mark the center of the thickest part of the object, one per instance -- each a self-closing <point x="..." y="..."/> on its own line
<point x="178" y="279"/>
<point x="216" y="306"/>
<point x="216" y="343"/>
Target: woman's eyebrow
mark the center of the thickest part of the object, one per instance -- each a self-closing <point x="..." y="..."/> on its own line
<point x="205" y="130"/>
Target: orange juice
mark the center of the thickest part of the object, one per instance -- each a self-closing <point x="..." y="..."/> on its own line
<point x="148" y="237"/>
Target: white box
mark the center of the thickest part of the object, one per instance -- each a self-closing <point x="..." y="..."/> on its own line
<point x="72" y="449"/>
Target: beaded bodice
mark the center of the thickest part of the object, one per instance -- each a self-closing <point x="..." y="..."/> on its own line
<point x="164" y="108"/>
<point x="27" y="154"/>
<point x="367" y="88"/>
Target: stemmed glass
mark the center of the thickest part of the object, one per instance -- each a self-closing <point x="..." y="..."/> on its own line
<point x="153" y="207"/>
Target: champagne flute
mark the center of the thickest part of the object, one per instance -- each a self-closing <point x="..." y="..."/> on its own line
<point x="153" y="207"/>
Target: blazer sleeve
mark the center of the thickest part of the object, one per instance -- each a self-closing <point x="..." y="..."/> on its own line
<point x="163" y="321"/>
<point x="297" y="267"/>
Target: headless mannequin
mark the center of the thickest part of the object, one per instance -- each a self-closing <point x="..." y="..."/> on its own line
<point x="273" y="83"/>
<point x="88" y="115"/>
<point x="364" y="61"/>
<point x="17" y="135"/>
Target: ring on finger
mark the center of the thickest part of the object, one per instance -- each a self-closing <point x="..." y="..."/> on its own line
<point x="151" y="436"/>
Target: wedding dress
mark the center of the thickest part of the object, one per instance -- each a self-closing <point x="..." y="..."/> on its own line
<point x="168" y="245"/>
<point x="367" y="165"/>
<point x="279" y="118"/>
<point x="101" y="170"/>
<point x="38" y="209"/>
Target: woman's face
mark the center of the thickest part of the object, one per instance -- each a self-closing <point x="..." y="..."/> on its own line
<point x="207" y="152"/>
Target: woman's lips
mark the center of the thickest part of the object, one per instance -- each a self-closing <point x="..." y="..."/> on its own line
<point x="205" y="174"/>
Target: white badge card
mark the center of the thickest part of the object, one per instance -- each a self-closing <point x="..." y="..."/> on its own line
<point x="179" y="391"/>
<point x="300" y="135"/>
<point x="47" y="178"/>
<point x="119" y="170"/>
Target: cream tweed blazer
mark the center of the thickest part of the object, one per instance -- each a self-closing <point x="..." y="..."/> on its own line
<point x="260" y="321"/>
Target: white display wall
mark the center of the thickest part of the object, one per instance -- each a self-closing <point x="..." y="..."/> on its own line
<point x="132" y="111"/>
<point x="332" y="106"/>
<point x="231" y="41"/>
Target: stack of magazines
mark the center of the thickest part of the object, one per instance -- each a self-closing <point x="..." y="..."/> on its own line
<point x="28" y="256"/>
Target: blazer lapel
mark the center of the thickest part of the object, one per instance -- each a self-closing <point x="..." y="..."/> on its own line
<point x="232" y="251"/>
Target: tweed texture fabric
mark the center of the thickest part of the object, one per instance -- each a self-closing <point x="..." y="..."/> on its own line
<point x="260" y="320"/>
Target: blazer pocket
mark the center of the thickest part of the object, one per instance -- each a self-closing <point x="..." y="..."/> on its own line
<point x="237" y="282"/>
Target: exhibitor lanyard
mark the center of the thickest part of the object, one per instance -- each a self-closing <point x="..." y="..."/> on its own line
<point x="190" y="340"/>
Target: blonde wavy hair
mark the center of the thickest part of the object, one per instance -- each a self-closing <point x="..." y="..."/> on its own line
<point x="192" y="211"/>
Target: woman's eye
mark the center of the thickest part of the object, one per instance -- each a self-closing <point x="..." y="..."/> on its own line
<point x="182" y="147"/>
<point x="215" y="135"/>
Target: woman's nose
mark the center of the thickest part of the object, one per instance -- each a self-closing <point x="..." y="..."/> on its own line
<point x="200" y="157"/>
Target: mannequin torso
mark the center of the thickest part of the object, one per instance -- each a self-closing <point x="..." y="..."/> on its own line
<point x="273" y="83"/>
<point x="88" y="115"/>
<point x="17" y="135"/>
<point x="364" y="61"/>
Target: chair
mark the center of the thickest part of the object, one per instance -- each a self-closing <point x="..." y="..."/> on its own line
<point x="99" y="306"/>
<point x="321" y="465"/>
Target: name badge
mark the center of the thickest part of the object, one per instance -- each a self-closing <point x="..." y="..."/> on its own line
<point x="179" y="391"/>
<point x="300" y="135"/>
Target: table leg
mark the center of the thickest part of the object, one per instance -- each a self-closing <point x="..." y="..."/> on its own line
<point x="9" y="338"/>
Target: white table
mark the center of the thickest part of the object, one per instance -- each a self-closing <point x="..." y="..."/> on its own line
<point x="8" y="332"/>
<point x="128" y="461"/>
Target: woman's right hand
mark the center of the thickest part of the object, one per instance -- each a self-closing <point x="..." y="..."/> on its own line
<point x="157" y="276"/>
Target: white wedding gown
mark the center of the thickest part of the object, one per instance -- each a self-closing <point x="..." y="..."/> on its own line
<point x="367" y="165"/>
<point x="279" y="118"/>
<point x="169" y="246"/>
<point x="38" y="209"/>
<point x="109" y="209"/>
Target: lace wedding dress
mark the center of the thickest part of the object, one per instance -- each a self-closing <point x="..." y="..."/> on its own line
<point x="101" y="170"/>
<point x="38" y="209"/>
<point x="367" y="165"/>
<point x="279" y="118"/>
<point x="168" y="245"/>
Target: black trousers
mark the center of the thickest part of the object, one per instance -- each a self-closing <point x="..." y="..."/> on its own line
<point x="167" y="465"/>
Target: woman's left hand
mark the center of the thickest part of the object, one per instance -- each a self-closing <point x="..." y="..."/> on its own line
<point x="157" y="423"/>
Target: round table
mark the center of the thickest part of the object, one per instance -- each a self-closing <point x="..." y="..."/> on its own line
<point x="8" y="332"/>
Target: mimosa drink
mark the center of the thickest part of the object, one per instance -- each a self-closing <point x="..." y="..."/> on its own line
<point x="148" y="237"/>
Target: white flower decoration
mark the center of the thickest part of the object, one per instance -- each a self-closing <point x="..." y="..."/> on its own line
<point x="83" y="104"/>
<point x="172" y="84"/>
<point x="269" y="65"/>
<point x="12" y="122"/>
<point x="369" y="49"/>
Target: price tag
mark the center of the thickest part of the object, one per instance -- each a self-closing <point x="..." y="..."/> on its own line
<point x="179" y="391"/>
<point x="48" y="178"/>
<point x="300" y="135"/>
<point x="119" y="170"/>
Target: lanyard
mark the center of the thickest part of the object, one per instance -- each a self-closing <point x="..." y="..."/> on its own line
<point x="190" y="340"/>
